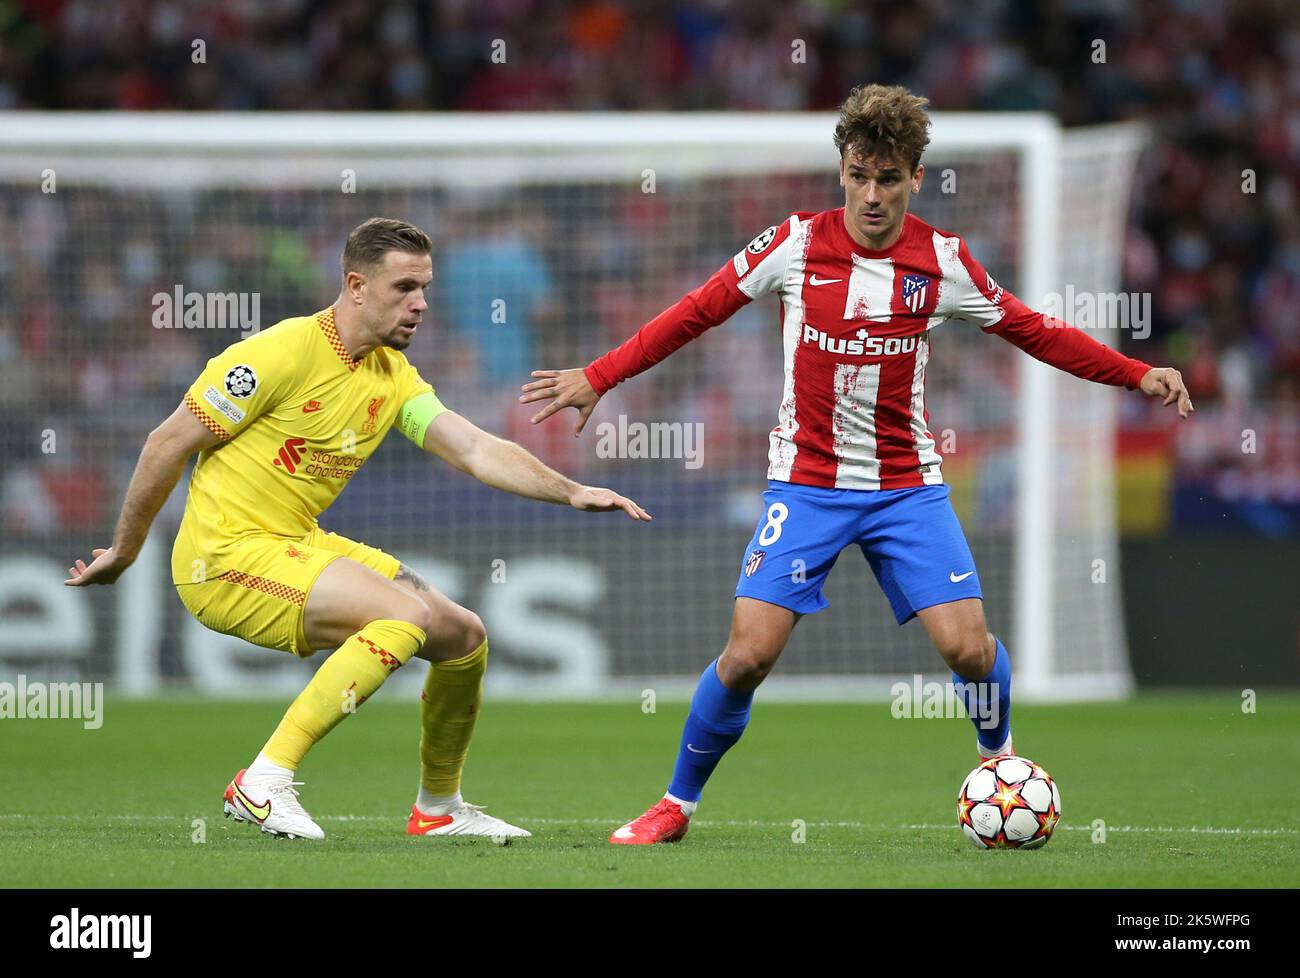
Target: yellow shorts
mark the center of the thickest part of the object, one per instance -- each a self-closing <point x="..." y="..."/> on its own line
<point x="261" y="597"/>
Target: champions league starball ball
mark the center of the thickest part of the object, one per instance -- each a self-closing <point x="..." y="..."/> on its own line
<point x="1008" y="803"/>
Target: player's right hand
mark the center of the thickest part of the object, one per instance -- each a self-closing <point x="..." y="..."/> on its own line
<point x="594" y="499"/>
<point x="564" y="388"/>
<point x="105" y="567"/>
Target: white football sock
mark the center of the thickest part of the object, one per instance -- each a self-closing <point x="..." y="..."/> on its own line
<point x="263" y="768"/>
<point x="437" y="804"/>
<point x="688" y="807"/>
<point x="1004" y="749"/>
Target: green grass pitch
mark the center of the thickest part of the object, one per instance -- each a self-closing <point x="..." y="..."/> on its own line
<point x="1193" y="793"/>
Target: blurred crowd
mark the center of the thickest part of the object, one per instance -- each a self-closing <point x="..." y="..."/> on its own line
<point x="1214" y="233"/>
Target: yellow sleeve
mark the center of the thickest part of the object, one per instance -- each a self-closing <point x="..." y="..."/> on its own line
<point x="409" y="382"/>
<point x="241" y="383"/>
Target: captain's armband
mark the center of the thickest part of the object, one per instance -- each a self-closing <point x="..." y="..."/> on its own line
<point x="417" y="414"/>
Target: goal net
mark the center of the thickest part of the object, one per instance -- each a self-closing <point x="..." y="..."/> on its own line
<point x="136" y="246"/>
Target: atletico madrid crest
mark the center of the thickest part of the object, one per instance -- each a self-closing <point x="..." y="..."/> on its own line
<point x="754" y="562"/>
<point x="916" y="289"/>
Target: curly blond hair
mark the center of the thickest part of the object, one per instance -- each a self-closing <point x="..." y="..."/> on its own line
<point x="884" y="121"/>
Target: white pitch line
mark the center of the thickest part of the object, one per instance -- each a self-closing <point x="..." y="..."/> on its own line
<point x="753" y="823"/>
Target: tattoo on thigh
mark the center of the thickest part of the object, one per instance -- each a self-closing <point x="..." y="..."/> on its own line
<point x="416" y="581"/>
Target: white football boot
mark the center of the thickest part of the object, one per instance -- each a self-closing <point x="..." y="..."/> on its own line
<point x="272" y="804"/>
<point x="465" y="819"/>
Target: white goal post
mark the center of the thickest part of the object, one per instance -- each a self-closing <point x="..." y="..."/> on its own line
<point x="650" y="197"/>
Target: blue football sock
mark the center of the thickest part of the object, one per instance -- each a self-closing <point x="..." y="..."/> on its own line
<point x="717" y="719"/>
<point x="988" y="700"/>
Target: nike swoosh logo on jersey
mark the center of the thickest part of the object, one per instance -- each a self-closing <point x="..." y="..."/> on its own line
<point x="814" y="280"/>
<point x="696" y="750"/>
<point x="311" y="406"/>
<point x="259" y="812"/>
<point x="434" y="823"/>
<point x="958" y="578"/>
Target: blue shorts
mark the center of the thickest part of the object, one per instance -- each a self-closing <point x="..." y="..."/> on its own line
<point x="910" y="537"/>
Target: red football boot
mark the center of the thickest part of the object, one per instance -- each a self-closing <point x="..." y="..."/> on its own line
<point x="664" y="822"/>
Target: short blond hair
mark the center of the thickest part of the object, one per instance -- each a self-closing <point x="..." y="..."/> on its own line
<point x="884" y="121"/>
<point x="372" y="239"/>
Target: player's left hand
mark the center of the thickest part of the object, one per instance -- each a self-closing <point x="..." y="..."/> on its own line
<point x="1168" y="383"/>
<point x="105" y="567"/>
<point x="595" y="500"/>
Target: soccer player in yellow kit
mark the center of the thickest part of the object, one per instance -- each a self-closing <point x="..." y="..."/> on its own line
<point x="282" y="420"/>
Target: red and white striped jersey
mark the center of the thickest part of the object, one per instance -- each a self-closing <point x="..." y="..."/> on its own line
<point x="855" y="327"/>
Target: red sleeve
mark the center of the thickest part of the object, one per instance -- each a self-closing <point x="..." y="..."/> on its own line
<point x="1045" y="338"/>
<point x="712" y="303"/>
<point x="1061" y="345"/>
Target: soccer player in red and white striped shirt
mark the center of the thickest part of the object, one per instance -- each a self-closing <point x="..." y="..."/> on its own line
<point x="851" y="459"/>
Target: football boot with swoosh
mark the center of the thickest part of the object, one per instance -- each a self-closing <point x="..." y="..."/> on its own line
<point x="465" y="819"/>
<point x="272" y="805"/>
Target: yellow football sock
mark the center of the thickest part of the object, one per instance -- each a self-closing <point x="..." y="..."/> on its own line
<point x="449" y="708"/>
<point x="346" y="680"/>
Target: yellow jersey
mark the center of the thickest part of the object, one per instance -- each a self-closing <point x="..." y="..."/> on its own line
<point x="298" y="417"/>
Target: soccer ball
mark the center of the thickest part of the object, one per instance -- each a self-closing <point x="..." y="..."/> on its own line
<point x="1008" y="803"/>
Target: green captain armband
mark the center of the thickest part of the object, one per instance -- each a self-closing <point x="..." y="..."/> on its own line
<point x="417" y="414"/>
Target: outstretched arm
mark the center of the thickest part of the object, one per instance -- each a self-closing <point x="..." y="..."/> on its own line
<point x="162" y="461"/>
<point x="504" y="465"/>
<point x="1054" y="341"/>
<point x="1061" y="345"/>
